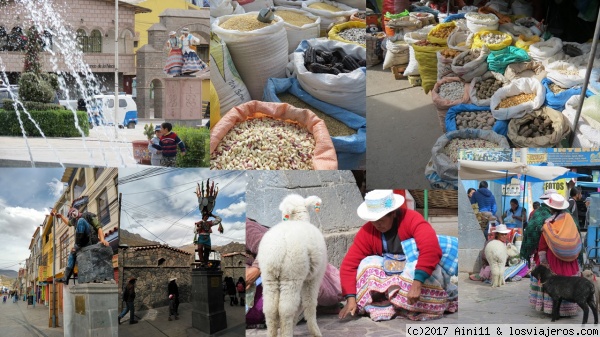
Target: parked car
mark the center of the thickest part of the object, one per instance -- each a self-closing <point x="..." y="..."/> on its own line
<point x="127" y="115"/>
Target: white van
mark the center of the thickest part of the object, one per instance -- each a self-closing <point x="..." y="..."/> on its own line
<point x="127" y="115"/>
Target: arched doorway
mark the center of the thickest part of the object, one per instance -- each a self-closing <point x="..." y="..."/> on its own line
<point x="156" y="98"/>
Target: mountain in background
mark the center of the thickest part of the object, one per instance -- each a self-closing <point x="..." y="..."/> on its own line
<point x="9" y="273"/>
<point x="132" y="239"/>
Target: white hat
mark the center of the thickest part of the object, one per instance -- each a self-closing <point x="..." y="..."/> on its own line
<point x="172" y="279"/>
<point x="172" y="32"/>
<point x="379" y="203"/>
<point x="557" y="201"/>
<point x="548" y="193"/>
<point x="185" y="30"/>
<point x="502" y="229"/>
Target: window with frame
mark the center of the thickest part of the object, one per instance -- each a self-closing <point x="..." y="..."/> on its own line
<point x="82" y="40"/>
<point x="98" y="172"/>
<point x="103" y="208"/>
<point x="94" y="42"/>
<point x="79" y="184"/>
<point x="64" y="249"/>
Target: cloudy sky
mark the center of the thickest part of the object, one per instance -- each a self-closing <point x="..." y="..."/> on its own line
<point x="25" y="197"/>
<point x="163" y="207"/>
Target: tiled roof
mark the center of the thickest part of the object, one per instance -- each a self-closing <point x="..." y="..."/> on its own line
<point x="158" y="247"/>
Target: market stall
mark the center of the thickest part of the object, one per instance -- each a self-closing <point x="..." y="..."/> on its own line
<point x="496" y="69"/>
<point x="291" y="85"/>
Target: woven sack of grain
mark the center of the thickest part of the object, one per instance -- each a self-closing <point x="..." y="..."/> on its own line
<point x="258" y="54"/>
<point x="350" y="149"/>
<point x="340" y="15"/>
<point x="228" y="84"/>
<point x="299" y="25"/>
<point x="324" y="154"/>
<point x="560" y="126"/>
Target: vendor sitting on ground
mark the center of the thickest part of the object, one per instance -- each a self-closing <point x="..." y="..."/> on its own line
<point x="376" y="276"/>
<point x="485" y="274"/>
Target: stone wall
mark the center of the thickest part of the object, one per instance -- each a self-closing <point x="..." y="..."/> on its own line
<point x="337" y="189"/>
<point x="234" y="266"/>
<point x="154" y="266"/>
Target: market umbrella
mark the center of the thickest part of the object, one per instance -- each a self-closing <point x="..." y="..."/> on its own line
<point x="486" y="170"/>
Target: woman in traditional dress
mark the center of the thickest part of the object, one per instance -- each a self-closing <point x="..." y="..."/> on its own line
<point x="191" y="62"/>
<point x="175" y="58"/>
<point x="396" y="265"/>
<point x="558" y="248"/>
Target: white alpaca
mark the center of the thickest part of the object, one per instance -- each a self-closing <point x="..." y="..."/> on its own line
<point x="293" y="259"/>
<point x="496" y="253"/>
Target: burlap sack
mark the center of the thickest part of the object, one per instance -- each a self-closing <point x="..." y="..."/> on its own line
<point x="532" y="69"/>
<point x="559" y="123"/>
<point x="324" y="157"/>
<point x="441" y="104"/>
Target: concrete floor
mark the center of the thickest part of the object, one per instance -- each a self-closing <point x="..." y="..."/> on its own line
<point x="402" y="128"/>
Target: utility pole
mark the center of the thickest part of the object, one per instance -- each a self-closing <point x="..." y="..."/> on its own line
<point x="54" y="322"/>
<point x="116" y="105"/>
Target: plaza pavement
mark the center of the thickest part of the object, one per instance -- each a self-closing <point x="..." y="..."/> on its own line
<point x="19" y="319"/>
<point x="154" y="322"/>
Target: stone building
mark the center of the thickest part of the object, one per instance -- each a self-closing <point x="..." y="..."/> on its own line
<point x="92" y="21"/>
<point x="338" y="190"/>
<point x="153" y="266"/>
<point x="151" y="57"/>
<point x="234" y="265"/>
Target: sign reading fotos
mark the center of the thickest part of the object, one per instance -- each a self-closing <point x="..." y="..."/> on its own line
<point x="484" y="154"/>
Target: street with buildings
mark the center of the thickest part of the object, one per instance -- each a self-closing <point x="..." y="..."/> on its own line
<point x="90" y="189"/>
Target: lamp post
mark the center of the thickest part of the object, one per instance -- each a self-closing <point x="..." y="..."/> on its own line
<point x="54" y="220"/>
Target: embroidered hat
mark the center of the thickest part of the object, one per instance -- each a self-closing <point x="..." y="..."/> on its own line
<point x="172" y="32"/>
<point x="557" y="201"/>
<point x="379" y="203"/>
<point x="548" y="193"/>
<point x="502" y="229"/>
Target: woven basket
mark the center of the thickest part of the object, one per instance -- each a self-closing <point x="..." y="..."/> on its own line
<point x="436" y="198"/>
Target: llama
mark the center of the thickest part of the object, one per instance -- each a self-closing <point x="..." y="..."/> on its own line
<point x="293" y="259"/>
<point x="569" y="288"/>
<point x="588" y="274"/>
<point x="496" y="253"/>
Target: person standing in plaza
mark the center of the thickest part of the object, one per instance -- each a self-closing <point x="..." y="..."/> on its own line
<point x="173" y="299"/>
<point x="241" y="290"/>
<point x="128" y="298"/>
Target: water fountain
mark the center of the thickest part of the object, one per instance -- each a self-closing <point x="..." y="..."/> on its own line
<point x="45" y="16"/>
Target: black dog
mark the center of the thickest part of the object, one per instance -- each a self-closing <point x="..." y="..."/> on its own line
<point x="570" y="288"/>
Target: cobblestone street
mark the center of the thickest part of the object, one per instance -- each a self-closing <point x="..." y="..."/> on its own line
<point x="18" y="319"/>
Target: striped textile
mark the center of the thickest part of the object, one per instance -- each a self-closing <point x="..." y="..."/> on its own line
<point x="174" y="62"/>
<point x="563" y="237"/>
<point x="512" y="271"/>
<point x="449" y="246"/>
<point x="192" y="63"/>
<point x="382" y="296"/>
<point x="540" y="301"/>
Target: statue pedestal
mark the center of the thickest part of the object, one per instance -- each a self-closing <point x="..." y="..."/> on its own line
<point x="94" y="264"/>
<point x="208" y="310"/>
<point x="93" y="310"/>
<point x="183" y="101"/>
